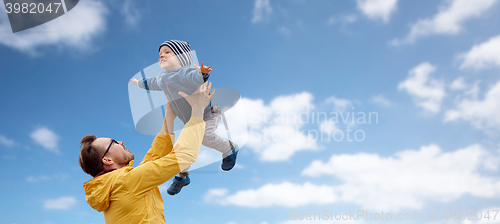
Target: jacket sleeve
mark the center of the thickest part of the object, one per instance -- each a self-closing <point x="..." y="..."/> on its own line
<point x="149" y="83"/>
<point x="193" y="78"/>
<point x="151" y="174"/>
<point x="161" y="146"/>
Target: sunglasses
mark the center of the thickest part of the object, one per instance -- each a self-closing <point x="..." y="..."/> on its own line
<point x="112" y="141"/>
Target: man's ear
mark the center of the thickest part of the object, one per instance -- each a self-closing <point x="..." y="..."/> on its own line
<point x="107" y="161"/>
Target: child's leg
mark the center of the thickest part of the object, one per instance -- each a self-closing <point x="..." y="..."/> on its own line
<point x="210" y="139"/>
<point x="179" y="182"/>
<point x="184" y="173"/>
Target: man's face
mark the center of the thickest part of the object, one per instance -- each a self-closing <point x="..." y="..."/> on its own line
<point x="117" y="151"/>
<point x="168" y="60"/>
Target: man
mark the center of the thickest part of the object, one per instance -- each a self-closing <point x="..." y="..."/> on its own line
<point x="130" y="195"/>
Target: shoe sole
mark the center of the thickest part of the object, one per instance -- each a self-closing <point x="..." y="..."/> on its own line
<point x="221" y="166"/>
<point x="172" y="193"/>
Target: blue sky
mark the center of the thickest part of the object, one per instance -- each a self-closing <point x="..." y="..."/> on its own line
<point x="428" y="69"/>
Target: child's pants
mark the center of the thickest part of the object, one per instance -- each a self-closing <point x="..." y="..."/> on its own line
<point x="210" y="139"/>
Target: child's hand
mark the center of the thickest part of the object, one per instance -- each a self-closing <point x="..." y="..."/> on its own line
<point x="134" y="81"/>
<point x="203" y="69"/>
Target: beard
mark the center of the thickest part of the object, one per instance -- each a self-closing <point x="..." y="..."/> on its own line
<point x="125" y="160"/>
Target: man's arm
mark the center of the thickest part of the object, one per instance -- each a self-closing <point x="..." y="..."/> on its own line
<point x="153" y="173"/>
<point x="185" y="152"/>
<point x="161" y="145"/>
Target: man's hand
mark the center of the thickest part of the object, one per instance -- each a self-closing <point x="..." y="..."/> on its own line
<point x="134" y="81"/>
<point x="203" y="69"/>
<point x="199" y="99"/>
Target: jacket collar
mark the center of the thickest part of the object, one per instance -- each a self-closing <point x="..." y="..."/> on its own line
<point x="104" y="172"/>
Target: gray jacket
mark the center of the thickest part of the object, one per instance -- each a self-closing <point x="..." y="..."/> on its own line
<point x="186" y="79"/>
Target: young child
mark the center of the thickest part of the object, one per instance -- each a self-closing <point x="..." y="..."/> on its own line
<point x="180" y="75"/>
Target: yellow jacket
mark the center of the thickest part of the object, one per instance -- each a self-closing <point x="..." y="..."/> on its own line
<point x="131" y="195"/>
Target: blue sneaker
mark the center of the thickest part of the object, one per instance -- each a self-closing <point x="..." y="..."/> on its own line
<point x="177" y="185"/>
<point x="230" y="160"/>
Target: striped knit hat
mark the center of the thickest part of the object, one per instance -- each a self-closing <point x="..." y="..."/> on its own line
<point x="181" y="49"/>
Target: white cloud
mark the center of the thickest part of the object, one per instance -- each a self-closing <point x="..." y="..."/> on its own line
<point x="261" y="11"/>
<point x="278" y="130"/>
<point x="331" y="20"/>
<point x="449" y="20"/>
<point x="46" y="138"/>
<point x="62" y="203"/>
<point x="33" y="179"/>
<point x="280" y="142"/>
<point x="285" y="194"/>
<point x="378" y="9"/>
<point x="6" y="141"/>
<point x="339" y="105"/>
<point x="410" y="178"/>
<point x="130" y="12"/>
<point x="427" y="92"/>
<point x="407" y="180"/>
<point x="75" y="29"/>
<point x="163" y="188"/>
<point x="239" y="166"/>
<point x="483" y="114"/>
<point x="380" y="99"/>
<point x="344" y="19"/>
<point x="328" y="126"/>
<point x="483" y="55"/>
<point x="466" y="90"/>
<point x="473" y="92"/>
<point x="285" y="31"/>
<point x="36" y="179"/>
<point x="458" y="84"/>
<point x="275" y="129"/>
<point x="208" y="155"/>
<point x="331" y="220"/>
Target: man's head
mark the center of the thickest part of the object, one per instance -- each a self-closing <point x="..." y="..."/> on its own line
<point x="98" y="154"/>
<point x="180" y="49"/>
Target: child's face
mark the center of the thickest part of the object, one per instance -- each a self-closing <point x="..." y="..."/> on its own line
<point x="168" y="60"/>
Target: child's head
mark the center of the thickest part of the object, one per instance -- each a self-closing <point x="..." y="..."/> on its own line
<point x="180" y="49"/>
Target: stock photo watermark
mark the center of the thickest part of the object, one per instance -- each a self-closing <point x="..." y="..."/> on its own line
<point x="289" y="126"/>
<point x="26" y="14"/>
<point x="488" y="215"/>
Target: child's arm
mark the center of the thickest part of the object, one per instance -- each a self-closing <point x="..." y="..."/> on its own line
<point x="193" y="77"/>
<point x="203" y="69"/>
<point x="168" y="121"/>
<point x="149" y="83"/>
